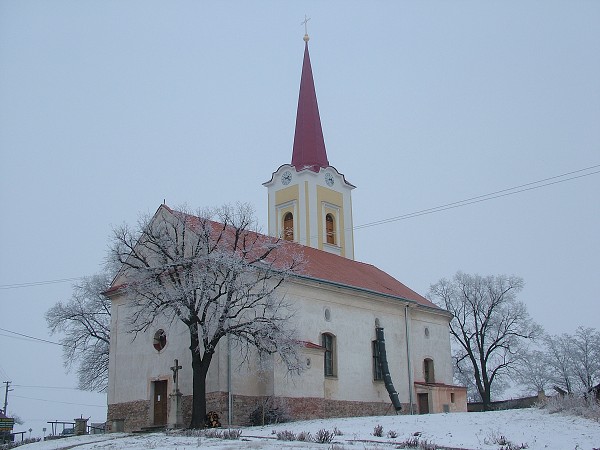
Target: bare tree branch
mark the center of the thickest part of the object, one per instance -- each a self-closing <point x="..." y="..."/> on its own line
<point x="84" y="322"/>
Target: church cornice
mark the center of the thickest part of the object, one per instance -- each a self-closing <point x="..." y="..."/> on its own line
<point x="369" y="293"/>
<point x="307" y="170"/>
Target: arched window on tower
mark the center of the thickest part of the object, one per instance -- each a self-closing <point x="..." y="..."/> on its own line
<point x="288" y="227"/>
<point x="329" y="229"/>
<point x="428" y="373"/>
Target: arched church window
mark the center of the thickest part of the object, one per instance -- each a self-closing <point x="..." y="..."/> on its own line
<point x="160" y="340"/>
<point x="428" y="371"/>
<point x="328" y="343"/>
<point x="329" y="229"/>
<point x="288" y="227"/>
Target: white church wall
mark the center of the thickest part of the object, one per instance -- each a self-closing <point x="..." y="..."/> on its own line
<point x="352" y="322"/>
<point x="309" y="383"/>
<point x="134" y="363"/>
<point x="431" y="339"/>
<point x="350" y="317"/>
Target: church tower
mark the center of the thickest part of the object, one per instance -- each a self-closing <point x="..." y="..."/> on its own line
<point x="310" y="201"/>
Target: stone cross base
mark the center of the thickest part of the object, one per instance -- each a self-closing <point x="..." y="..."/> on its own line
<point x="175" y="414"/>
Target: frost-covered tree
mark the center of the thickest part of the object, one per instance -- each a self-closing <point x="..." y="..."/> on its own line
<point x="84" y="322"/>
<point x="490" y="326"/>
<point x="534" y="372"/>
<point x="559" y="361"/>
<point x="586" y="356"/>
<point x="220" y="278"/>
<point x="574" y="359"/>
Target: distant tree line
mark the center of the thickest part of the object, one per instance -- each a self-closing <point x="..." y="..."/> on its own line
<point x="566" y="363"/>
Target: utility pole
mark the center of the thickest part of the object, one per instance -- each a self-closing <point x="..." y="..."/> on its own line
<point x="6" y="391"/>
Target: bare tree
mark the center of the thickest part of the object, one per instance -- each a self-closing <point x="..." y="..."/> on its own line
<point x="533" y="372"/>
<point x="559" y="361"/>
<point x="574" y="359"/>
<point x="586" y="356"/>
<point x="218" y="278"/>
<point x="489" y="326"/>
<point x="85" y="323"/>
<point x="465" y="376"/>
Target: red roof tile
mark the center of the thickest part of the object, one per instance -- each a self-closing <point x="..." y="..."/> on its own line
<point x="321" y="265"/>
<point x="326" y="267"/>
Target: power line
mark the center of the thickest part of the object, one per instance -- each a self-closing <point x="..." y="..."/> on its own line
<point x="491" y="196"/>
<point x="31" y="337"/>
<point x="38" y="283"/>
<point x="48" y="387"/>
<point x="55" y="401"/>
<point x="557" y="179"/>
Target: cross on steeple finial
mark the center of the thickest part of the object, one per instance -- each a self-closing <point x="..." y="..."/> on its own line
<point x="305" y="23"/>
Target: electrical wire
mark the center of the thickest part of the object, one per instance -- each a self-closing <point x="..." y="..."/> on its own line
<point x="557" y="179"/>
<point x="56" y="401"/>
<point x="482" y="198"/>
<point x="38" y="283"/>
<point x="26" y="336"/>
<point x="48" y="387"/>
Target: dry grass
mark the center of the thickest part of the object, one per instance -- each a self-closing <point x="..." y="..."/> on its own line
<point x="576" y="406"/>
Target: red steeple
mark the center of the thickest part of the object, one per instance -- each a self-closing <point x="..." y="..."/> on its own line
<point x="309" y="145"/>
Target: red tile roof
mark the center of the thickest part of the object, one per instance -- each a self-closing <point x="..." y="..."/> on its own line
<point x="308" y="344"/>
<point x="328" y="268"/>
<point x="321" y="265"/>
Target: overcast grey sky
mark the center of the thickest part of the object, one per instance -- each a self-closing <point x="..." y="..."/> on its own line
<point x="107" y="108"/>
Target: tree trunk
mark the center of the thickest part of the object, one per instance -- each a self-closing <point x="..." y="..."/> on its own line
<point x="486" y="399"/>
<point x="200" y="365"/>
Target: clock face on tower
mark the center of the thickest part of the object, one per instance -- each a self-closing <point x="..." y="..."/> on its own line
<point x="286" y="178"/>
<point x="329" y="179"/>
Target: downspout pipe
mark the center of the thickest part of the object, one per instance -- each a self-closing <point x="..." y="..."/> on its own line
<point x="385" y="370"/>
<point x="229" y="393"/>
<point x="408" y="361"/>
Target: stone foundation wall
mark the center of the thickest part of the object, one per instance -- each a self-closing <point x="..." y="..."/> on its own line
<point x="137" y="414"/>
<point x="134" y="414"/>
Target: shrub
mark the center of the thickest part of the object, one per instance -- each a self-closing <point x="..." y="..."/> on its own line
<point x="270" y="410"/>
<point x="286" y="435"/>
<point x="511" y="446"/>
<point x="378" y="431"/>
<point x="304" y="436"/>
<point x="576" y="406"/>
<point x="324" y="436"/>
<point x="412" y="442"/>
<point x="424" y="445"/>
<point x="336" y="447"/>
<point x="232" y="434"/>
<point x="503" y="442"/>
<point x="212" y="433"/>
<point x="392" y="434"/>
<point x="10" y="445"/>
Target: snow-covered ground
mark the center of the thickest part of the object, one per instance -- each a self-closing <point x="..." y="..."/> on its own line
<point x="535" y="428"/>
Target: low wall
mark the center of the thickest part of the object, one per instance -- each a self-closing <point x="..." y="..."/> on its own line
<point x="516" y="403"/>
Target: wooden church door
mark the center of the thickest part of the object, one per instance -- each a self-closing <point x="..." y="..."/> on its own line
<point x="423" y="403"/>
<point x="160" y="402"/>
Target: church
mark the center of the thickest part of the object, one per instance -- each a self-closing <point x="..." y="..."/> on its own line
<point x="370" y="344"/>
